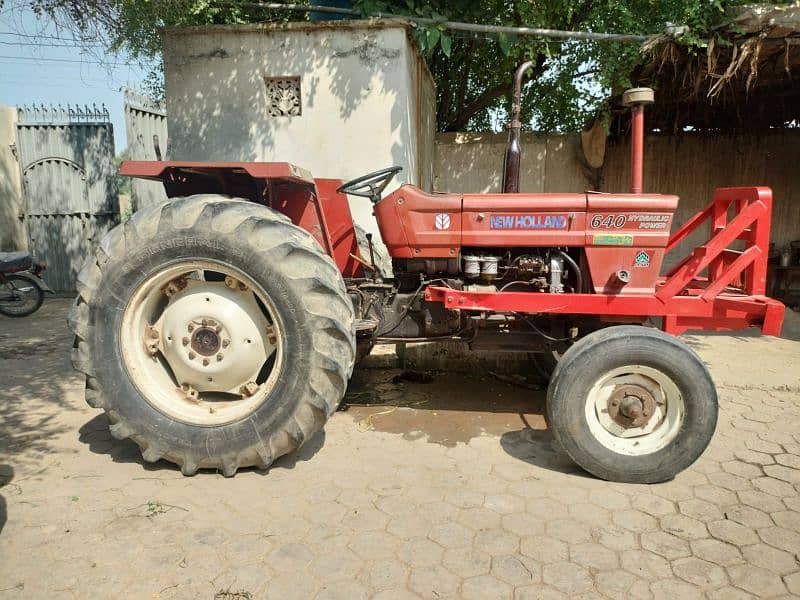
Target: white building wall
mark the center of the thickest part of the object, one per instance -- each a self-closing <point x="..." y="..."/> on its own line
<point x="364" y="93"/>
<point x="12" y="229"/>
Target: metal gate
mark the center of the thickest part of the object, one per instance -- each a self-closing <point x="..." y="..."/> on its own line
<point x="145" y="119"/>
<point x="66" y="156"/>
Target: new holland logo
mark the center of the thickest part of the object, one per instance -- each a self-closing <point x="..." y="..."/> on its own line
<point x="531" y="221"/>
<point x="442" y="221"/>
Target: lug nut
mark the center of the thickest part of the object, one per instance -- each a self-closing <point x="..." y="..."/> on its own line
<point x="185" y="341"/>
<point x="191" y="355"/>
<point x="219" y="356"/>
<point x="249" y="388"/>
<point x="204" y="322"/>
<point x="191" y="327"/>
<point x="205" y="362"/>
<point x="225" y="343"/>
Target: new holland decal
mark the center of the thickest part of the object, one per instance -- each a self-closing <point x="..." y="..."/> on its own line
<point x="532" y="221"/>
<point x="442" y="221"/>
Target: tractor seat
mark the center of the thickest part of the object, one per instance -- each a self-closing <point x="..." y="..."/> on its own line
<point x="15" y="261"/>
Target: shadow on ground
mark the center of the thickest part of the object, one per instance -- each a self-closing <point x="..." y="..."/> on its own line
<point x="6" y="476"/>
<point x="95" y="433"/>
<point x="452" y="408"/>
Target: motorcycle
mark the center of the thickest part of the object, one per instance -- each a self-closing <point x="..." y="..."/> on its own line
<point x="22" y="288"/>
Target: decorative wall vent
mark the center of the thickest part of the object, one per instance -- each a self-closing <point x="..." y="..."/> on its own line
<point x="283" y="96"/>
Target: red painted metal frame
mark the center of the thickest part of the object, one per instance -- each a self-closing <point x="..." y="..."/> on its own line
<point x="312" y="204"/>
<point x="158" y="170"/>
<point x="731" y="295"/>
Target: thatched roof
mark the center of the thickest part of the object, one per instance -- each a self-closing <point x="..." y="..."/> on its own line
<point x="747" y="78"/>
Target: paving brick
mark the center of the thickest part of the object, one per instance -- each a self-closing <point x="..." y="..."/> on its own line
<point x="516" y="570"/>
<point x="700" y="510"/>
<point x="670" y="589"/>
<point x="451" y="535"/>
<point x="567" y="577"/>
<point x="788" y="519"/>
<point x="615" y="583"/>
<point x="433" y="582"/>
<point x="684" y="527"/>
<point x="544" y="549"/>
<point x="761" y="501"/>
<point x="421" y="553"/>
<point x="609" y="499"/>
<point x="635" y="520"/>
<point x="568" y="530"/>
<point x="754" y="458"/>
<point x="386" y="575"/>
<point x="665" y="544"/>
<point x="772" y="559"/>
<point x="756" y="580"/>
<point x="645" y="564"/>
<point x="615" y="538"/>
<point x="748" y="516"/>
<point x="654" y="505"/>
<point x="699" y="572"/>
<point x="729" y="593"/>
<point x="785" y="539"/>
<point x="732" y="532"/>
<point x="775" y="487"/>
<point x="793" y="583"/>
<point x="720" y="553"/>
<point x="485" y="587"/>
<point x="504" y="504"/>
<point x="496" y="542"/>
<point x="594" y="556"/>
<point x="538" y="592"/>
<point x="466" y="562"/>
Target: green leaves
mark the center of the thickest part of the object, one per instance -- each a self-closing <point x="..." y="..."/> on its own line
<point x="473" y="72"/>
<point x="505" y="42"/>
<point x="446" y="42"/>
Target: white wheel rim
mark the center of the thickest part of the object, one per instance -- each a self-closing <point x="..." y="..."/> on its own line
<point x="615" y="431"/>
<point x="197" y="349"/>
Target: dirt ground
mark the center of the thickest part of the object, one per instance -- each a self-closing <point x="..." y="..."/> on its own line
<point x="444" y="488"/>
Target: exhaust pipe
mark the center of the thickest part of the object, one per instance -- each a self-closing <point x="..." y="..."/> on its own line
<point x="514" y="150"/>
<point x="637" y="99"/>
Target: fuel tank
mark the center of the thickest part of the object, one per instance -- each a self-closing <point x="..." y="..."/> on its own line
<point x="619" y="232"/>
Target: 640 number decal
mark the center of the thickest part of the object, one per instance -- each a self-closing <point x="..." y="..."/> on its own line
<point x="609" y="221"/>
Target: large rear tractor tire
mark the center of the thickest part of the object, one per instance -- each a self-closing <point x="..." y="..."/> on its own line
<point x="632" y="404"/>
<point x="213" y="333"/>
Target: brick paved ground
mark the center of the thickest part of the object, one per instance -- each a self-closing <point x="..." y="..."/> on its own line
<point x="456" y="493"/>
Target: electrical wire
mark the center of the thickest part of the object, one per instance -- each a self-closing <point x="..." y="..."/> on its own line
<point x="539" y="331"/>
<point x="402" y="316"/>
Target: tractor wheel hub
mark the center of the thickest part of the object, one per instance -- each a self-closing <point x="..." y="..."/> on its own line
<point x="631" y="405"/>
<point x="205" y="341"/>
<point x="214" y="337"/>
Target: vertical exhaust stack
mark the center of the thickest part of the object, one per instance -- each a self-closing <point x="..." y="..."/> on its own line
<point x="637" y="99"/>
<point x="513" y="150"/>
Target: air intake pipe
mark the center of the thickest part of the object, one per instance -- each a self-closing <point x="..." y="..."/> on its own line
<point x="637" y="99"/>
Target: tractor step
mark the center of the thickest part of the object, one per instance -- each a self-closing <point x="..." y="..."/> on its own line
<point x="366" y="325"/>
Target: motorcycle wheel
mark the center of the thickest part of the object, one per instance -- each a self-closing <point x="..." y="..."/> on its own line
<point x="20" y="296"/>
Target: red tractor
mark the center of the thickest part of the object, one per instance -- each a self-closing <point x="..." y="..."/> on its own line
<point x="219" y="329"/>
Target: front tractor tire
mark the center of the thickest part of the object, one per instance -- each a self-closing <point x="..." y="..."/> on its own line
<point x="632" y="404"/>
<point x="213" y="333"/>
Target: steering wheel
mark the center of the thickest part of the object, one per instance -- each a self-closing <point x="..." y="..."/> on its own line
<point x="370" y="185"/>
